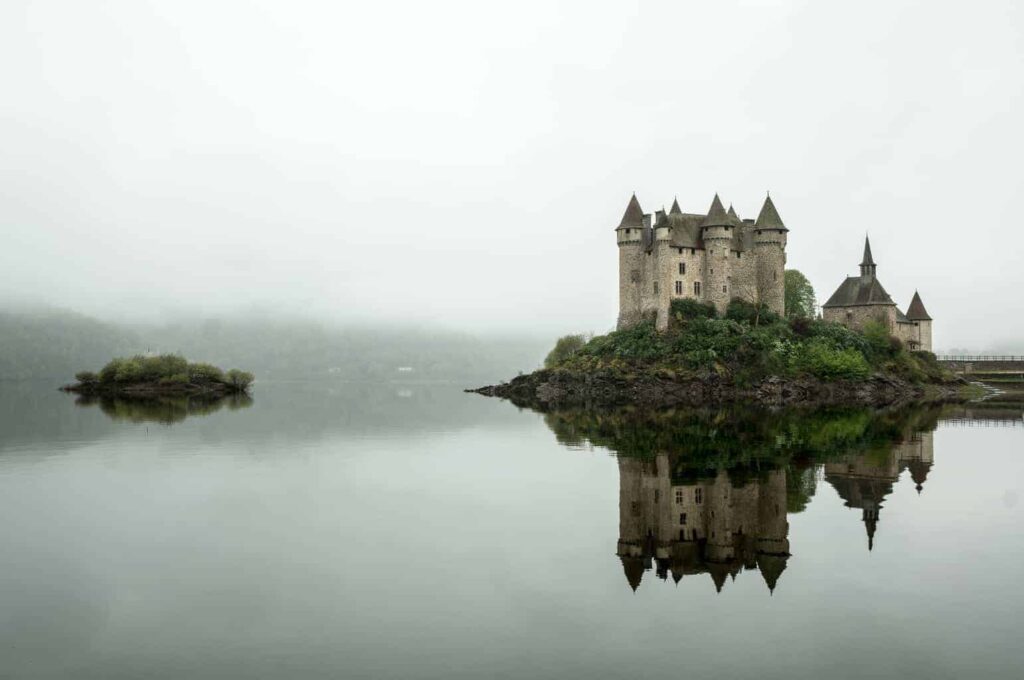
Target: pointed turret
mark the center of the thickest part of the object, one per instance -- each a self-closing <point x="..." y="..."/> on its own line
<point x="719" y="573"/>
<point x="634" y="215"/>
<point x="736" y="221"/>
<point x="675" y="210"/>
<point x="867" y="265"/>
<point x="771" y="568"/>
<point x="634" y="568"/>
<point x="717" y="217"/>
<point x="919" y="473"/>
<point x="916" y="310"/>
<point x="769" y="217"/>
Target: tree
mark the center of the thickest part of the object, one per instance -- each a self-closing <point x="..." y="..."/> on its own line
<point x="566" y="346"/>
<point x="800" y="301"/>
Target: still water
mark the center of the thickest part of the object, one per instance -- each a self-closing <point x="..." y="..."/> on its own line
<point x="389" y="531"/>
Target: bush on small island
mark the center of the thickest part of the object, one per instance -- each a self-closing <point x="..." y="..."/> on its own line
<point x="163" y="373"/>
<point x="750" y="343"/>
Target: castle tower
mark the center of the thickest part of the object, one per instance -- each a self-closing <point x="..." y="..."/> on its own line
<point x="630" y="235"/>
<point x="770" y="248"/>
<point x="717" y="233"/>
<point x="919" y="315"/>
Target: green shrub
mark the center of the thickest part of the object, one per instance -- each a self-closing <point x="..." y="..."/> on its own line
<point x="820" y="359"/>
<point x="641" y="341"/>
<point x="565" y="347"/>
<point x="684" y="309"/>
<point x="753" y="313"/>
<point x="205" y="373"/>
<point x="240" y="380"/>
<point x="87" y="377"/>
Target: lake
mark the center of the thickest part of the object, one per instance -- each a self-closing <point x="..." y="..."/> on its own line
<point x="413" y="531"/>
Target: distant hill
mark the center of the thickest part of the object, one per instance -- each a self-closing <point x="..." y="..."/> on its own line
<point x="56" y="344"/>
<point x="52" y="344"/>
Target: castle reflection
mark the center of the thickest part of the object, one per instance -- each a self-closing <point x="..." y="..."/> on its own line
<point x="710" y="492"/>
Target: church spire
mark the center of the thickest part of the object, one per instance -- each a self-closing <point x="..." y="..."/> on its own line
<point x="867" y="265"/>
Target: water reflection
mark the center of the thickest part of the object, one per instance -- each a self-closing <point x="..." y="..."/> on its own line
<point x="163" y="410"/>
<point x="709" y="492"/>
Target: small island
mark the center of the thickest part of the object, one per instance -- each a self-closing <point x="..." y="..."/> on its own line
<point x="161" y="375"/>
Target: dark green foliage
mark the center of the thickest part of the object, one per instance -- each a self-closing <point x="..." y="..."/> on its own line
<point x="165" y="370"/>
<point x="565" y="347"/>
<point x="799" y="295"/>
<point x="748" y="348"/>
<point x="641" y="341"/>
<point x="753" y="313"/>
<point x="684" y="309"/>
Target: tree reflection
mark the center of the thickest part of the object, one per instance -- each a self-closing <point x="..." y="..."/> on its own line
<point x="163" y="410"/>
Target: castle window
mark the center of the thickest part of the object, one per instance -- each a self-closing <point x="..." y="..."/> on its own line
<point x="655" y="287"/>
<point x="682" y="268"/>
<point x="627" y="232"/>
<point x="725" y="289"/>
<point x="682" y="534"/>
<point x="680" y="250"/>
<point x="739" y="255"/>
<point x="682" y="518"/>
<point x="696" y="288"/>
<point x="698" y="495"/>
<point x="679" y="495"/>
<point x="679" y="287"/>
<point x="693" y="251"/>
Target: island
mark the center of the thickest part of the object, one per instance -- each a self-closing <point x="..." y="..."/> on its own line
<point x="748" y="354"/>
<point x="160" y="375"/>
<point x="709" y="314"/>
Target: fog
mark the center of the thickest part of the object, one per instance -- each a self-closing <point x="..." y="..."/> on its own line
<point x="464" y="164"/>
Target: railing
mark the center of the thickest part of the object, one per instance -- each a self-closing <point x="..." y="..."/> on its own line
<point x="979" y="357"/>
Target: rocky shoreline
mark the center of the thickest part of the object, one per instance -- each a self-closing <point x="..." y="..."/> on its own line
<point x="549" y="388"/>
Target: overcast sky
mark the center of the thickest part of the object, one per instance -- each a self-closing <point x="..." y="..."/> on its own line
<point x="465" y="163"/>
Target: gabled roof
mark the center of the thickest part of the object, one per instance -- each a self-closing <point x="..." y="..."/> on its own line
<point x="634" y="215"/>
<point x="868" y="261"/>
<point x="717" y="217"/>
<point x="859" y="290"/>
<point x="916" y="310"/>
<point x="769" y="218"/>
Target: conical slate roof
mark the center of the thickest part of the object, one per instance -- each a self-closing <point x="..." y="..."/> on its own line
<point x="717" y="217"/>
<point x="634" y="215"/>
<point x="868" y="260"/>
<point x="736" y="221"/>
<point x="675" y="210"/>
<point x="916" y="310"/>
<point x="634" y="568"/>
<point x="771" y="568"/>
<point x="769" y="218"/>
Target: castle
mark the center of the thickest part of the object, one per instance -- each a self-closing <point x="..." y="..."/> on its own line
<point x="861" y="299"/>
<point x="712" y="257"/>
<point x="686" y="521"/>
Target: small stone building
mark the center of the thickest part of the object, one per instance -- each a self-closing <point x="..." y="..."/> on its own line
<point x="861" y="299"/>
<point x="710" y="257"/>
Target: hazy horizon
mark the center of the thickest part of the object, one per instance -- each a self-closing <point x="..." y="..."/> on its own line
<point x="463" y="166"/>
